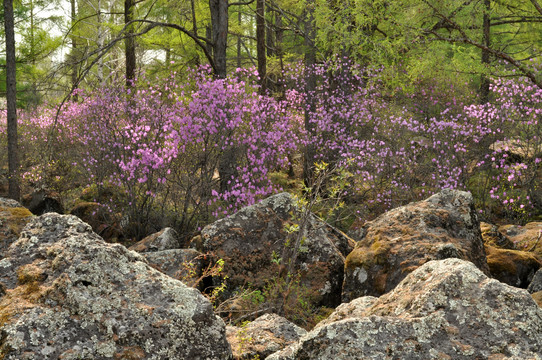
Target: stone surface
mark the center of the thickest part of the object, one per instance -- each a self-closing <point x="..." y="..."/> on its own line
<point x="519" y="149"/>
<point x="513" y="267"/>
<point x="102" y="221"/>
<point x="445" y="309"/>
<point x="249" y="240"/>
<point x="525" y="237"/>
<point x="537" y="297"/>
<point x="493" y="237"/>
<point x="181" y="264"/>
<point x="43" y="201"/>
<point x="13" y="218"/>
<point x="262" y="337"/>
<point x="536" y="283"/>
<point x="354" y="308"/>
<point x="399" y="241"/>
<point x="70" y="295"/>
<point x="165" y="239"/>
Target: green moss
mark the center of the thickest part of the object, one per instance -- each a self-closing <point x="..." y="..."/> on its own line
<point x="16" y="218"/>
<point x="504" y="261"/>
<point x="292" y="185"/>
<point x="368" y="253"/>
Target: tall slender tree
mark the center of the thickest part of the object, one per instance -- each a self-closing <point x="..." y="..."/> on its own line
<point x="11" y="95"/>
<point x="129" y="44"/>
<point x="260" y="43"/>
<point x="219" y="24"/>
<point x="310" y="90"/>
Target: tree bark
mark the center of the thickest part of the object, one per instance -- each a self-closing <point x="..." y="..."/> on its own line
<point x="11" y="95"/>
<point x="129" y="44"/>
<point x="310" y="92"/>
<point x="73" y="52"/>
<point x="484" y="83"/>
<point x="260" y="44"/>
<point x="219" y="21"/>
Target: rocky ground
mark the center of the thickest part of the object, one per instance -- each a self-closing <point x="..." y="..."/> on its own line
<point x="423" y="281"/>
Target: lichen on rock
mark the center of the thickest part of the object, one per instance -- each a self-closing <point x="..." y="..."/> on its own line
<point x="70" y="295"/>
<point x="445" y="309"/>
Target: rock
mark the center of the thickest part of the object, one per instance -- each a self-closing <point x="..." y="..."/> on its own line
<point x="354" y="308"/>
<point x="513" y="267"/>
<point x="401" y="240"/>
<point x="252" y="244"/>
<point x="70" y="295"/>
<point x="493" y="237"/>
<point x="43" y="201"/>
<point x="262" y="337"/>
<point x="445" y="309"/>
<point x="13" y="218"/>
<point x="518" y="149"/>
<point x="525" y="237"/>
<point x="181" y="264"/>
<point x="536" y="283"/>
<point x="102" y="220"/>
<point x="165" y="239"/>
<point x="537" y="297"/>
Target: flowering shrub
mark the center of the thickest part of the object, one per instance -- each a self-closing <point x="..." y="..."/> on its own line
<point x="185" y="154"/>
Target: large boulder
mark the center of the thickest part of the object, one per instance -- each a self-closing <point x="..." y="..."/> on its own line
<point x="401" y="240"/>
<point x="13" y="218"/>
<point x="252" y="243"/>
<point x="445" y="309"/>
<point x="262" y="337"/>
<point x="513" y="267"/>
<point x="70" y="295"/>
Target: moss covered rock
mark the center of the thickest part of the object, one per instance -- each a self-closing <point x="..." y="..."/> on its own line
<point x="252" y="243"/>
<point x="446" y="309"/>
<point x="13" y="218"/>
<point x="401" y="240"/>
<point x="513" y="267"/>
<point x="70" y="295"/>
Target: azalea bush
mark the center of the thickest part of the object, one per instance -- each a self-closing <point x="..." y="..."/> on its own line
<point x="177" y="153"/>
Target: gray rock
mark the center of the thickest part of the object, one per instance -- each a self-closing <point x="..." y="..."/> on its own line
<point x="181" y="264"/>
<point x="248" y="240"/>
<point x="399" y="241"/>
<point x="446" y="309"/>
<point x="262" y="337"/>
<point x="73" y="296"/>
<point x="536" y="283"/>
<point x="9" y="203"/>
<point x="165" y="239"/>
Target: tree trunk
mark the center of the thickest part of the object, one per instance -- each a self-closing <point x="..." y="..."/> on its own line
<point x="129" y="43"/>
<point x="239" y="22"/>
<point x="11" y="95"/>
<point x="74" y="49"/>
<point x="310" y="92"/>
<point x="484" y="83"/>
<point x="260" y="44"/>
<point x="269" y="35"/>
<point x="219" y="21"/>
